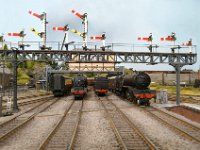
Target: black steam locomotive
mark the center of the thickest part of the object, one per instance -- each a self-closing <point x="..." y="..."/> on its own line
<point x="60" y="85"/>
<point x="79" y="89"/>
<point x="133" y="87"/>
<point x="101" y="85"/>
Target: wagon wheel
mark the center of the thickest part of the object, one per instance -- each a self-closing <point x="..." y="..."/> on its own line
<point x="134" y="100"/>
<point x="128" y="96"/>
<point x="148" y="103"/>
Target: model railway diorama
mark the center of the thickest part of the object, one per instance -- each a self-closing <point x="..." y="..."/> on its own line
<point x="91" y="94"/>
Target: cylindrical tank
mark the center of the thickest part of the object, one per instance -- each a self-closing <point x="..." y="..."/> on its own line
<point x="140" y="80"/>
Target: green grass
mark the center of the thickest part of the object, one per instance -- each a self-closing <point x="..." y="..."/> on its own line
<point x="172" y="89"/>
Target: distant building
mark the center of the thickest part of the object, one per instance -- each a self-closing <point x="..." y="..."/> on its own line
<point x="92" y="66"/>
<point x="169" y="77"/>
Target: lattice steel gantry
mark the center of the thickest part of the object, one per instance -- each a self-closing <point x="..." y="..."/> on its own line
<point x="100" y="57"/>
<point x="177" y="60"/>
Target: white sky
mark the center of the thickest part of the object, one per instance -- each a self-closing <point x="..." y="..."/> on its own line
<point x="122" y="20"/>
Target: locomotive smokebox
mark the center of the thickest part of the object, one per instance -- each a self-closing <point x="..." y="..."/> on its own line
<point x="139" y="80"/>
<point x="80" y="81"/>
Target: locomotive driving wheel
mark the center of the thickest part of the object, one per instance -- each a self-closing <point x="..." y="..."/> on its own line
<point x="128" y="95"/>
<point x="134" y="100"/>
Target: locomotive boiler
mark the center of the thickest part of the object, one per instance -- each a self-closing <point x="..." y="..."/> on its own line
<point x="134" y="87"/>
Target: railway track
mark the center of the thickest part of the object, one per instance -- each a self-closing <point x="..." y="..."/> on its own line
<point x="127" y="134"/>
<point x="27" y="102"/>
<point x="183" y="128"/>
<point x="9" y="127"/>
<point x="22" y="103"/>
<point x="185" y="99"/>
<point x="28" y="97"/>
<point x="65" y="131"/>
<point x="42" y="100"/>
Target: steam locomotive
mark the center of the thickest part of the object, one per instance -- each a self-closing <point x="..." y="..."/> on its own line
<point x="101" y="85"/>
<point x="79" y="89"/>
<point x="133" y="87"/>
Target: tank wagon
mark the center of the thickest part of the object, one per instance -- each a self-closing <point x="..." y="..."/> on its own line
<point x="133" y="87"/>
<point x="60" y="85"/>
<point x="79" y="88"/>
<point x="101" y="85"/>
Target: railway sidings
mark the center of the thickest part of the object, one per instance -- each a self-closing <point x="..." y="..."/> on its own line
<point x="96" y="122"/>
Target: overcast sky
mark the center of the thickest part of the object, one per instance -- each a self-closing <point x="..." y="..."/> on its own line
<point x="122" y="20"/>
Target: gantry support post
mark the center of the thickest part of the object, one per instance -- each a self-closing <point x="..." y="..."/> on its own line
<point x="47" y="77"/>
<point x="178" y="70"/>
<point x="1" y="106"/>
<point x="15" y="65"/>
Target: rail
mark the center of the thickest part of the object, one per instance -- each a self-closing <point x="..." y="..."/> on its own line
<point x="65" y="131"/>
<point x="184" y="128"/>
<point x="126" y="142"/>
<point x="47" y="139"/>
<point x="7" y="130"/>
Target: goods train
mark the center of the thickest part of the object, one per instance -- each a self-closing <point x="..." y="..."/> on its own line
<point x="60" y="85"/>
<point x="133" y="87"/>
<point x="101" y="85"/>
<point x="79" y="89"/>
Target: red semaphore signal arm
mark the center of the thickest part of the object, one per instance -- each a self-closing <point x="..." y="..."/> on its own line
<point x="15" y="34"/>
<point x="77" y="14"/>
<point x="167" y="39"/>
<point x="143" y="38"/>
<point x="58" y="28"/>
<point x="96" y="38"/>
<point x="35" y="15"/>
